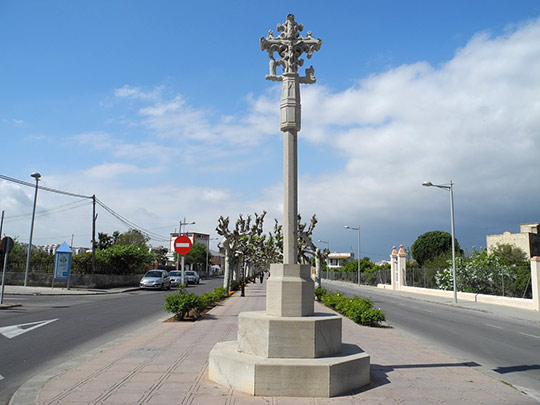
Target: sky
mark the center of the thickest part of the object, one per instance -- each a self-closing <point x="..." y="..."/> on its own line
<point x="161" y="109"/>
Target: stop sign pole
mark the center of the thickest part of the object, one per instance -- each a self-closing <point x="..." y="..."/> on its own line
<point x="182" y="246"/>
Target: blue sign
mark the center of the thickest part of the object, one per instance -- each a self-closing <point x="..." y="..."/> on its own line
<point x="63" y="261"/>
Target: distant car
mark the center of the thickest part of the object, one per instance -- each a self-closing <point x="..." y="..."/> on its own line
<point x="191" y="277"/>
<point x="176" y="278"/>
<point x="156" y="280"/>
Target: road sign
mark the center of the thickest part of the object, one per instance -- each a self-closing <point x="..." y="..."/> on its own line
<point x="7" y="244"/>
<point x="182" y="245"/>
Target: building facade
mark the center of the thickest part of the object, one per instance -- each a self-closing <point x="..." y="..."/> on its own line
<point x="528" y="239"/>
<point x="337" y="260"/>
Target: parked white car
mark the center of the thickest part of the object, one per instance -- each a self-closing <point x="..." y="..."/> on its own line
<point x="176" y="278"/>
<point x="191" y="277"/>
<point x="156" y="280"/>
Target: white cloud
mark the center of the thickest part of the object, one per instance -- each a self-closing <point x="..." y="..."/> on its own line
<point x="138" y="94"/>
<point x="474" y="119"/>
<point x="114" y="170"/>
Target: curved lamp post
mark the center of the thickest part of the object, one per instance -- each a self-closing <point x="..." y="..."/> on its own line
<point x="328" y="247"/>
<point x="449" y="187"/>
<point x="35" y="176"/>
<point x="356" y="229"/>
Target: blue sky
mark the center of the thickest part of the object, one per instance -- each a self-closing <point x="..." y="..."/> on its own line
<point x="161" y="109"/>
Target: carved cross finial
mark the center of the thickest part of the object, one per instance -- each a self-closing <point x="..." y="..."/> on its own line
<point x="290" y="46"/>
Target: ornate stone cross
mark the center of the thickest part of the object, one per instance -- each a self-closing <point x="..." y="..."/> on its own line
<point x="290" y="46"/>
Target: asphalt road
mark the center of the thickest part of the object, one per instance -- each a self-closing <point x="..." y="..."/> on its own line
<point x="504" y="347"/>
<point x="77" y="324"/>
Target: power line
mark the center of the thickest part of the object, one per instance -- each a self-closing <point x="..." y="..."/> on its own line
<point x="61" y="208"/>
<point x="132" y="225"/>
<point x="52" y="190"/>
<point x="125" y="221"/>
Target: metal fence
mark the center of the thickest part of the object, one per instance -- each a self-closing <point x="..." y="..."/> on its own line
<point x="379" y="277"/>
<point x="423" y="278"/>
<point x="496" y="282"/>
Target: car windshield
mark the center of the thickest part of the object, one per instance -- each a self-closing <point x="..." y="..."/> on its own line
<point x="153" y="274"/>
<point x="175" y="273"/>
<point x="190" y="273"/>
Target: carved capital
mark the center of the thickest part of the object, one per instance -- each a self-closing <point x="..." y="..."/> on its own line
<point x="290" y="46"/>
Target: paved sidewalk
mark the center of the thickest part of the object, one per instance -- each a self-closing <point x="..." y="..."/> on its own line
<point x="167" y="364"/>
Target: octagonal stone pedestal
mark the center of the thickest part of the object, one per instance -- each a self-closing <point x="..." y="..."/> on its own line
<point x="320" y="377"/>
<point x="289" y="337"/>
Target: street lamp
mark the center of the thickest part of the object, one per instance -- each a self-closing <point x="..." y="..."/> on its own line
<point x="35" y="176"/>
<point x="356" y="229"/>
<point x="328" y="247"/>
<point x="449" y="187"/>
<point x="327" y="244"/>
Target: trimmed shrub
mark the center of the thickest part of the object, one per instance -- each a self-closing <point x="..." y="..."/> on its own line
<point x="359" y="310"/>
<point x="372" y="317"/>
<point x="181" y="303"/>
<point x="319" y="293"/>
<point x="220" y="293"/>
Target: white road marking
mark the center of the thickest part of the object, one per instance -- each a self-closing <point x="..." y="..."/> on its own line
<point x="493" y="326"/>
<point x="180" y="245"/>
<point x="526" y="334"/>
<point x="16" y="330"/>
<point x="1" y="378"/>
<point x="427" y="310"/>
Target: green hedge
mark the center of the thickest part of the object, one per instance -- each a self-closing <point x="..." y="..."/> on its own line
<point x="185" y="303"/>
<point x="359" y="310"/>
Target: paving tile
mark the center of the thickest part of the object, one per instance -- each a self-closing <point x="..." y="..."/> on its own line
<point x="167" y="364"/>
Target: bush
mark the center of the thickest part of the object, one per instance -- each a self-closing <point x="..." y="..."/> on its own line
<point x="207" y="299"/>
<point x="332" y="300"/>
<point x="181" y="303"/>
<point x="359" y="310"/>
<point x="372" y="317"/>
<point x="220" y="293"/>
<point x="319" y="293"/>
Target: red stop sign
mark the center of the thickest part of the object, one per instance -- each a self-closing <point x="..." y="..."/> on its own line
<point x="182" y="245"/>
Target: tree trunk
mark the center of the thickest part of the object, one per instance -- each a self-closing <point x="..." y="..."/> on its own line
<point x="227" y="272"/>
<point x="317" y="271"/>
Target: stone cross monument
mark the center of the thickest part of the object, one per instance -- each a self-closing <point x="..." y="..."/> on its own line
<point x="288" y="350"/>
<point x="290" y="45"/>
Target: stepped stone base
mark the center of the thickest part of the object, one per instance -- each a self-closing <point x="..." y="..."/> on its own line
<point x="289" y="337"/>
<point x="289" y="290"/>
<point x="320" y="377"/>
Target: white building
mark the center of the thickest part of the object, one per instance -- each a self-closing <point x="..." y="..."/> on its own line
<point x="337" y="260"/>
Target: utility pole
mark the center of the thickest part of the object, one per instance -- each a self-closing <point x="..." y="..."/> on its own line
<point x="1" y="224"/>
<point x="94" y="218"/>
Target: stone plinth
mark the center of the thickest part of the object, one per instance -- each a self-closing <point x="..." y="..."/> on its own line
<point x="289" y="290"/>
<point x="289" y="337"/>
<point x="321" y="377"/>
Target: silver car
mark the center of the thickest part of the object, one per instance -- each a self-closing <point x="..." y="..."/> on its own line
<point x="192" y="277"/>
<point x="176" y="278"/>
<point x="156" y="280"/>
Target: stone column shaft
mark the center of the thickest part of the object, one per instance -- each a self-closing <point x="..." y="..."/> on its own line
<point x="290" y="125"/>
<point x="290" y="198"/>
